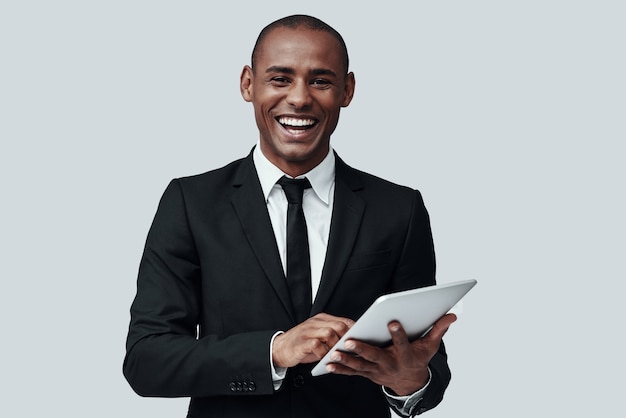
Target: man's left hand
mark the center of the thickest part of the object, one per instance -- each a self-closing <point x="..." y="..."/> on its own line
<point x="402" y="366"/>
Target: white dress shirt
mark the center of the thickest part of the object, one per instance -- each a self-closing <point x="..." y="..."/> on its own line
<point x="317" y="204"/>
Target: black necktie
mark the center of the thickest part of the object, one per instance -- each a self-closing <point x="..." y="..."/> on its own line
<point x="298" y="261"/>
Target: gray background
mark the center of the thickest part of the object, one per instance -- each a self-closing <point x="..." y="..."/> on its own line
<point x="507" y="115"/>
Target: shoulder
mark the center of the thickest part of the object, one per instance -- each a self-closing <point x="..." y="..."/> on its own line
<point x="220" y="180"/>
<point x="223" y="174"/>
<point x="211" y="187"/>
<point x="371" y="186"/>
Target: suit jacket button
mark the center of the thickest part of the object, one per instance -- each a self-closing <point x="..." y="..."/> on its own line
<point x="297" y="381"/>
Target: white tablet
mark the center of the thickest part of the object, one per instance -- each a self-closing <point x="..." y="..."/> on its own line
<point x="417" y="310"/>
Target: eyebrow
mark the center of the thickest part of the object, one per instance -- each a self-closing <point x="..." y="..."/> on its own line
<point x="289" y="70"/>
<point x="323" y="71"/>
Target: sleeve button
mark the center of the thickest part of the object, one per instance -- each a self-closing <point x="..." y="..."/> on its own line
<point x="298" y="381"/>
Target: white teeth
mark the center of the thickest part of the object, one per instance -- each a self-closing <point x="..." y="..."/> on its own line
<point x="295" y="122"/>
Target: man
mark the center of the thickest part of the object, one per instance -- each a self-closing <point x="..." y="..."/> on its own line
<point x="216" y="316"/>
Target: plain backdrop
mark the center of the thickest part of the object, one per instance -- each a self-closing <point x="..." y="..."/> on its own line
<point x="509" y="116"/>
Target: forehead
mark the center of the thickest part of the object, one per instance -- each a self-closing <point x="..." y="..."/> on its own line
<point x="300" y="47"/>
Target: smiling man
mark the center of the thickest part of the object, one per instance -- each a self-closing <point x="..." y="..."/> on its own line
<point x="251" y="272"/>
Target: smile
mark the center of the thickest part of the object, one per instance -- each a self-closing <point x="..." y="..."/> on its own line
<point x="296" y="124"/>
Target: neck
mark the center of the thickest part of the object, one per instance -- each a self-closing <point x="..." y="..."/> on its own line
<point x="295" y="167"/>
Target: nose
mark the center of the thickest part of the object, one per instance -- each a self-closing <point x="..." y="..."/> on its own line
<point x="298" y="95"/>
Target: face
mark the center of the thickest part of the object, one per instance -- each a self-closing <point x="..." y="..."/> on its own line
<point x="297" y="88"/>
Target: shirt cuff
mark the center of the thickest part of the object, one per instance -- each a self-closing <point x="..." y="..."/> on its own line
<point x="278" y="373"/>
<point x="405" y="404"/>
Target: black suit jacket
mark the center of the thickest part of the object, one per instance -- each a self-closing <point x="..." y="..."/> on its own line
<point x="211" y="292"/>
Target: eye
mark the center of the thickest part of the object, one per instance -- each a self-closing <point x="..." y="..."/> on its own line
<point x="279" y="81"/>
<point x="320" y="83"/>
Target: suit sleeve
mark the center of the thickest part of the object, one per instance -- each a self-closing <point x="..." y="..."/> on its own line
<point x="416" y="268"/>
<point x="164" y="357"/>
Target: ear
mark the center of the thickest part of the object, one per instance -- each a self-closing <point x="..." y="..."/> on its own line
<point x="348" y="89"/>
<point x="245" y="83"/>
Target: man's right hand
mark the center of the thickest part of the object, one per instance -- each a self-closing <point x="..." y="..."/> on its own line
<point x="309" y="341"/>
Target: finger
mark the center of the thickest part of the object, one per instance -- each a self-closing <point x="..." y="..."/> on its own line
<point x="400" y="341"/>
<point x="327" y="335"/>
<point x="355" y="364"/>
<point x="398" y="335"/>
<point x="366" y="354"/>
<point x="342" y="326"/>
<point x="338" y="368"/>
<point x="347" y="322"/>
<point x="318" y="348"/>
<point x="331" y="318"/>
<point x="441" y="327"/>
<point x="339" y="324"/>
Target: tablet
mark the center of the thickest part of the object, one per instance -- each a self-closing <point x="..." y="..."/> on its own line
<point x="417" y="310"/>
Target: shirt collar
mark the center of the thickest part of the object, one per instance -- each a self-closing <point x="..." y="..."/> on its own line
<point x="321" y="177"/>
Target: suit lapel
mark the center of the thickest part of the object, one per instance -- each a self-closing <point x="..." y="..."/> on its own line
<point x="348" y="211"/>
<point x="249" y="204"/>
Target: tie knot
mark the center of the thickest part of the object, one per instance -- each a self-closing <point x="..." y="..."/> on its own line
<point x="294" y="188"/>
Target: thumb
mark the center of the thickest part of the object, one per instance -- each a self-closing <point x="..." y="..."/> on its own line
<point x="441" y="326"/>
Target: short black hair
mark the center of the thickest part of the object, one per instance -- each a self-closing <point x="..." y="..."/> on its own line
<point x="296" y="21"/>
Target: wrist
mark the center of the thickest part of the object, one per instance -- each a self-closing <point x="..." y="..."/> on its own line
<point x="407" y="388"/>
<point x="276" y="349"/>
